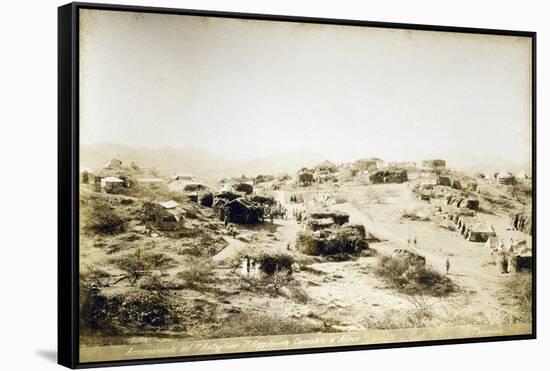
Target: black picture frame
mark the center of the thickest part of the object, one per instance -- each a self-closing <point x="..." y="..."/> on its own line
<point x="68" y="178"/>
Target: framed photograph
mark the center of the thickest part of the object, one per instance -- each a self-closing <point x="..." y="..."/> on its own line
<point x="240" y="185"/>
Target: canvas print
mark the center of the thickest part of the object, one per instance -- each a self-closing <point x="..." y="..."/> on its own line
<point x="252" y="185"/>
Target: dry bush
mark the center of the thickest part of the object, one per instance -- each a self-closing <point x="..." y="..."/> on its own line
<point x="424" y="317"/>
<point x="196" y="272"/>
<point x="100" y="217"/>
<point x="271" y="264"/>
<point x="127" y="313"/>
<point x="138" y="263"/>
<point x="414" y="279"/>
<point x="520" y="289"/>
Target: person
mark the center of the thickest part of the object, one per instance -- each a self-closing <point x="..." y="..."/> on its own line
<point x="447" y="265"/>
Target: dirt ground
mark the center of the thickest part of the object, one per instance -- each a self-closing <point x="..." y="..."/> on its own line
<point x="339" y="296"/>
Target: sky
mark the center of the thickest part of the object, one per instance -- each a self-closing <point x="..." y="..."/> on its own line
<point x="246" y="89"/>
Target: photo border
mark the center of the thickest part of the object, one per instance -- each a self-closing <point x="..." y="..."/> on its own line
<point x="68" y="179"/>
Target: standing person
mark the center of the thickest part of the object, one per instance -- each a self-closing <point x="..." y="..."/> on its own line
<point x="447" y="265"/>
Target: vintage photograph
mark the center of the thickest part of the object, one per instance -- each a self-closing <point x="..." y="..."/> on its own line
<point x="252" y="185"/>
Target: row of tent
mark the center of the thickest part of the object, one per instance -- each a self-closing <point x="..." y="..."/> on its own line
<point x="472" y="228"/>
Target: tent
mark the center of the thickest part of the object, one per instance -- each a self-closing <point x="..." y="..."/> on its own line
<point x="480" y="232"/>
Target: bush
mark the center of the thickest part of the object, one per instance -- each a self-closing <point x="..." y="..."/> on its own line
<point x="196" y="272"/>
<point x="138" y="263"/>
<point x="520" y="288"/>
<point x="243" y="187"/>
<point x="272" y="263"/>
<point x="414" y="279"/>
<point x="127" y="314"/>
<point x="100" y="217"/>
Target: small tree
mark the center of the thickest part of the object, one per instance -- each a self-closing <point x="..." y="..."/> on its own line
<point x="305" y="178"/>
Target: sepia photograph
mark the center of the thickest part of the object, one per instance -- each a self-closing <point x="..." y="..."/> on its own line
<point x="253" y="185"/>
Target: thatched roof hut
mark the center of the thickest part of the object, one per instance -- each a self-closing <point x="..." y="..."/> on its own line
<point x="389" y="176"/>
<point x="243" y="211"/>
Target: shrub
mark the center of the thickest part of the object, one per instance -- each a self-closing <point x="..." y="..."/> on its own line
<point x="196" y="272"/>
<point x="137" y="264"/>
<point x="414" y="279"/>
<point x="273" y="263"/>
<point x="100" y="217"/>
<point x="127" y="314"/>
<point x="243" y="187"/>
<point x="520" y="288"/>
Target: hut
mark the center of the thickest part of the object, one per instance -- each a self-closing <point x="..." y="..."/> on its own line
<point x="326" y="167"/>
<point x="242" y="179"/>
<point x="339" y="218"/>
<point x="112" y="184"/>
<point x="371" y="164"/>
<point x="179" y="181"/>
<point x="389" y="176"/>
<point x="434" y="165"/>
<point x="113" y="164"/>
<point x="425" y="195"/>
<point x="480" y="232"/>
<point x="242" y="211"/>
<point x="409" y="165"/>
<point x="444" y="181"/>
<point x="295" y="197"/>
<point x="505" y="177"/>
<point x="171" y="204"/>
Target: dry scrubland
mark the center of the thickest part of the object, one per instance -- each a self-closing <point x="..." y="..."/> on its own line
<point x="140" y="283"/>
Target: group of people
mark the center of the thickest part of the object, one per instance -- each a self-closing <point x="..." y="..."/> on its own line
<point x="299" y="215"/>
<point x="276" y="212"/>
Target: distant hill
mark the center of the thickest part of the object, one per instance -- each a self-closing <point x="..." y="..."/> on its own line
<point x="195" y="160"/>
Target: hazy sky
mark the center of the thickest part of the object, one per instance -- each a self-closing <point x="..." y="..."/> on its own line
<point x="252" y="89"/>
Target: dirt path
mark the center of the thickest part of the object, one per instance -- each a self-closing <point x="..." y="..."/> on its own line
<point x="233" y="248"/>
<point x="285" y="232"/>
<point x="469" y="261"/>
